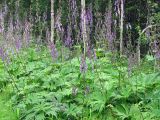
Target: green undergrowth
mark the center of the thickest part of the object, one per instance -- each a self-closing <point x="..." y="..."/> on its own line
<point x="47" y="89"/>
<point x="6" y="110"/>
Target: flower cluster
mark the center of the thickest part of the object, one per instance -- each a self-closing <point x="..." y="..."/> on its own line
<point x="89" y="16"/>
<point x="53" y="50"/>
<point x="4" y="56"/>
<point x="83" y="65"/>
<point x="18" y="45"/>
<point x="68" y="39"/>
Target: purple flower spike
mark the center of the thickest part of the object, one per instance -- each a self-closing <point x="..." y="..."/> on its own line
<point x="4" y="56"/>
<point x="68" y="40"/>
<point x="83" y="65"/>
<point x="53" y="51"/>
<point x="89" y="16"/>
<point x="18" y="45"/>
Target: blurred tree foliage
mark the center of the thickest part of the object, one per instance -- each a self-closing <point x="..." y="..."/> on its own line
<point x="138" y="13"/>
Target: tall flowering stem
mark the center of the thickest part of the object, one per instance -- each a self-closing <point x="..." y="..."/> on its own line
<point x="83" y="65"/>
<point x="4" y="56"/>
<point x="6" y="61"/>
<point x="53" y="50"/>
<point x="18" y="45"/>
<point x="68" y="39"/>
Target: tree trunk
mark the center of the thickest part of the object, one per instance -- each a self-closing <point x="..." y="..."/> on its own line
<point x="52" y="20"/>
<point x="83" y="18"/>
<point x="121" y="27"/>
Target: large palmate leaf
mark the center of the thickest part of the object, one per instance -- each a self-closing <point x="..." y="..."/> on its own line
<point x="124" y="112"/>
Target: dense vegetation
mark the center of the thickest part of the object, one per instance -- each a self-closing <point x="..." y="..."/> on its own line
<point x="79" y="60"/>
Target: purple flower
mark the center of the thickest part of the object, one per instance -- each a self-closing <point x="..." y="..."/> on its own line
<point x="53" y="51"/>
<point x="83" y="65"/>
<point x="18" y="45"/>
<point x="4" y="56"/>
<point x="89" y="16"/>
<point x="68" y="39"/>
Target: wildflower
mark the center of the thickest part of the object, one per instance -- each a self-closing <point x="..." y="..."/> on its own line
<point x="53" y="51"/>
<point x="68" y="40"/>
<point x="89" y="52"/>
<point x="83" y="65"/>
<point x="18" y="45"/>
<point x="89" y="16"/>
<point x="4" y="56"/>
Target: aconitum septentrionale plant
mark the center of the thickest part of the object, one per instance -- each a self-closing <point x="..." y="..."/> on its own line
<point x="53" y="50"/>
<point x="83" y="65"/>
<point x="4" y="56"/>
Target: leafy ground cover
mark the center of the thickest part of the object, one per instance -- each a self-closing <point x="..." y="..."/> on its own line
<point x="6" y="110"/>
<point x="70" y="88"/>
